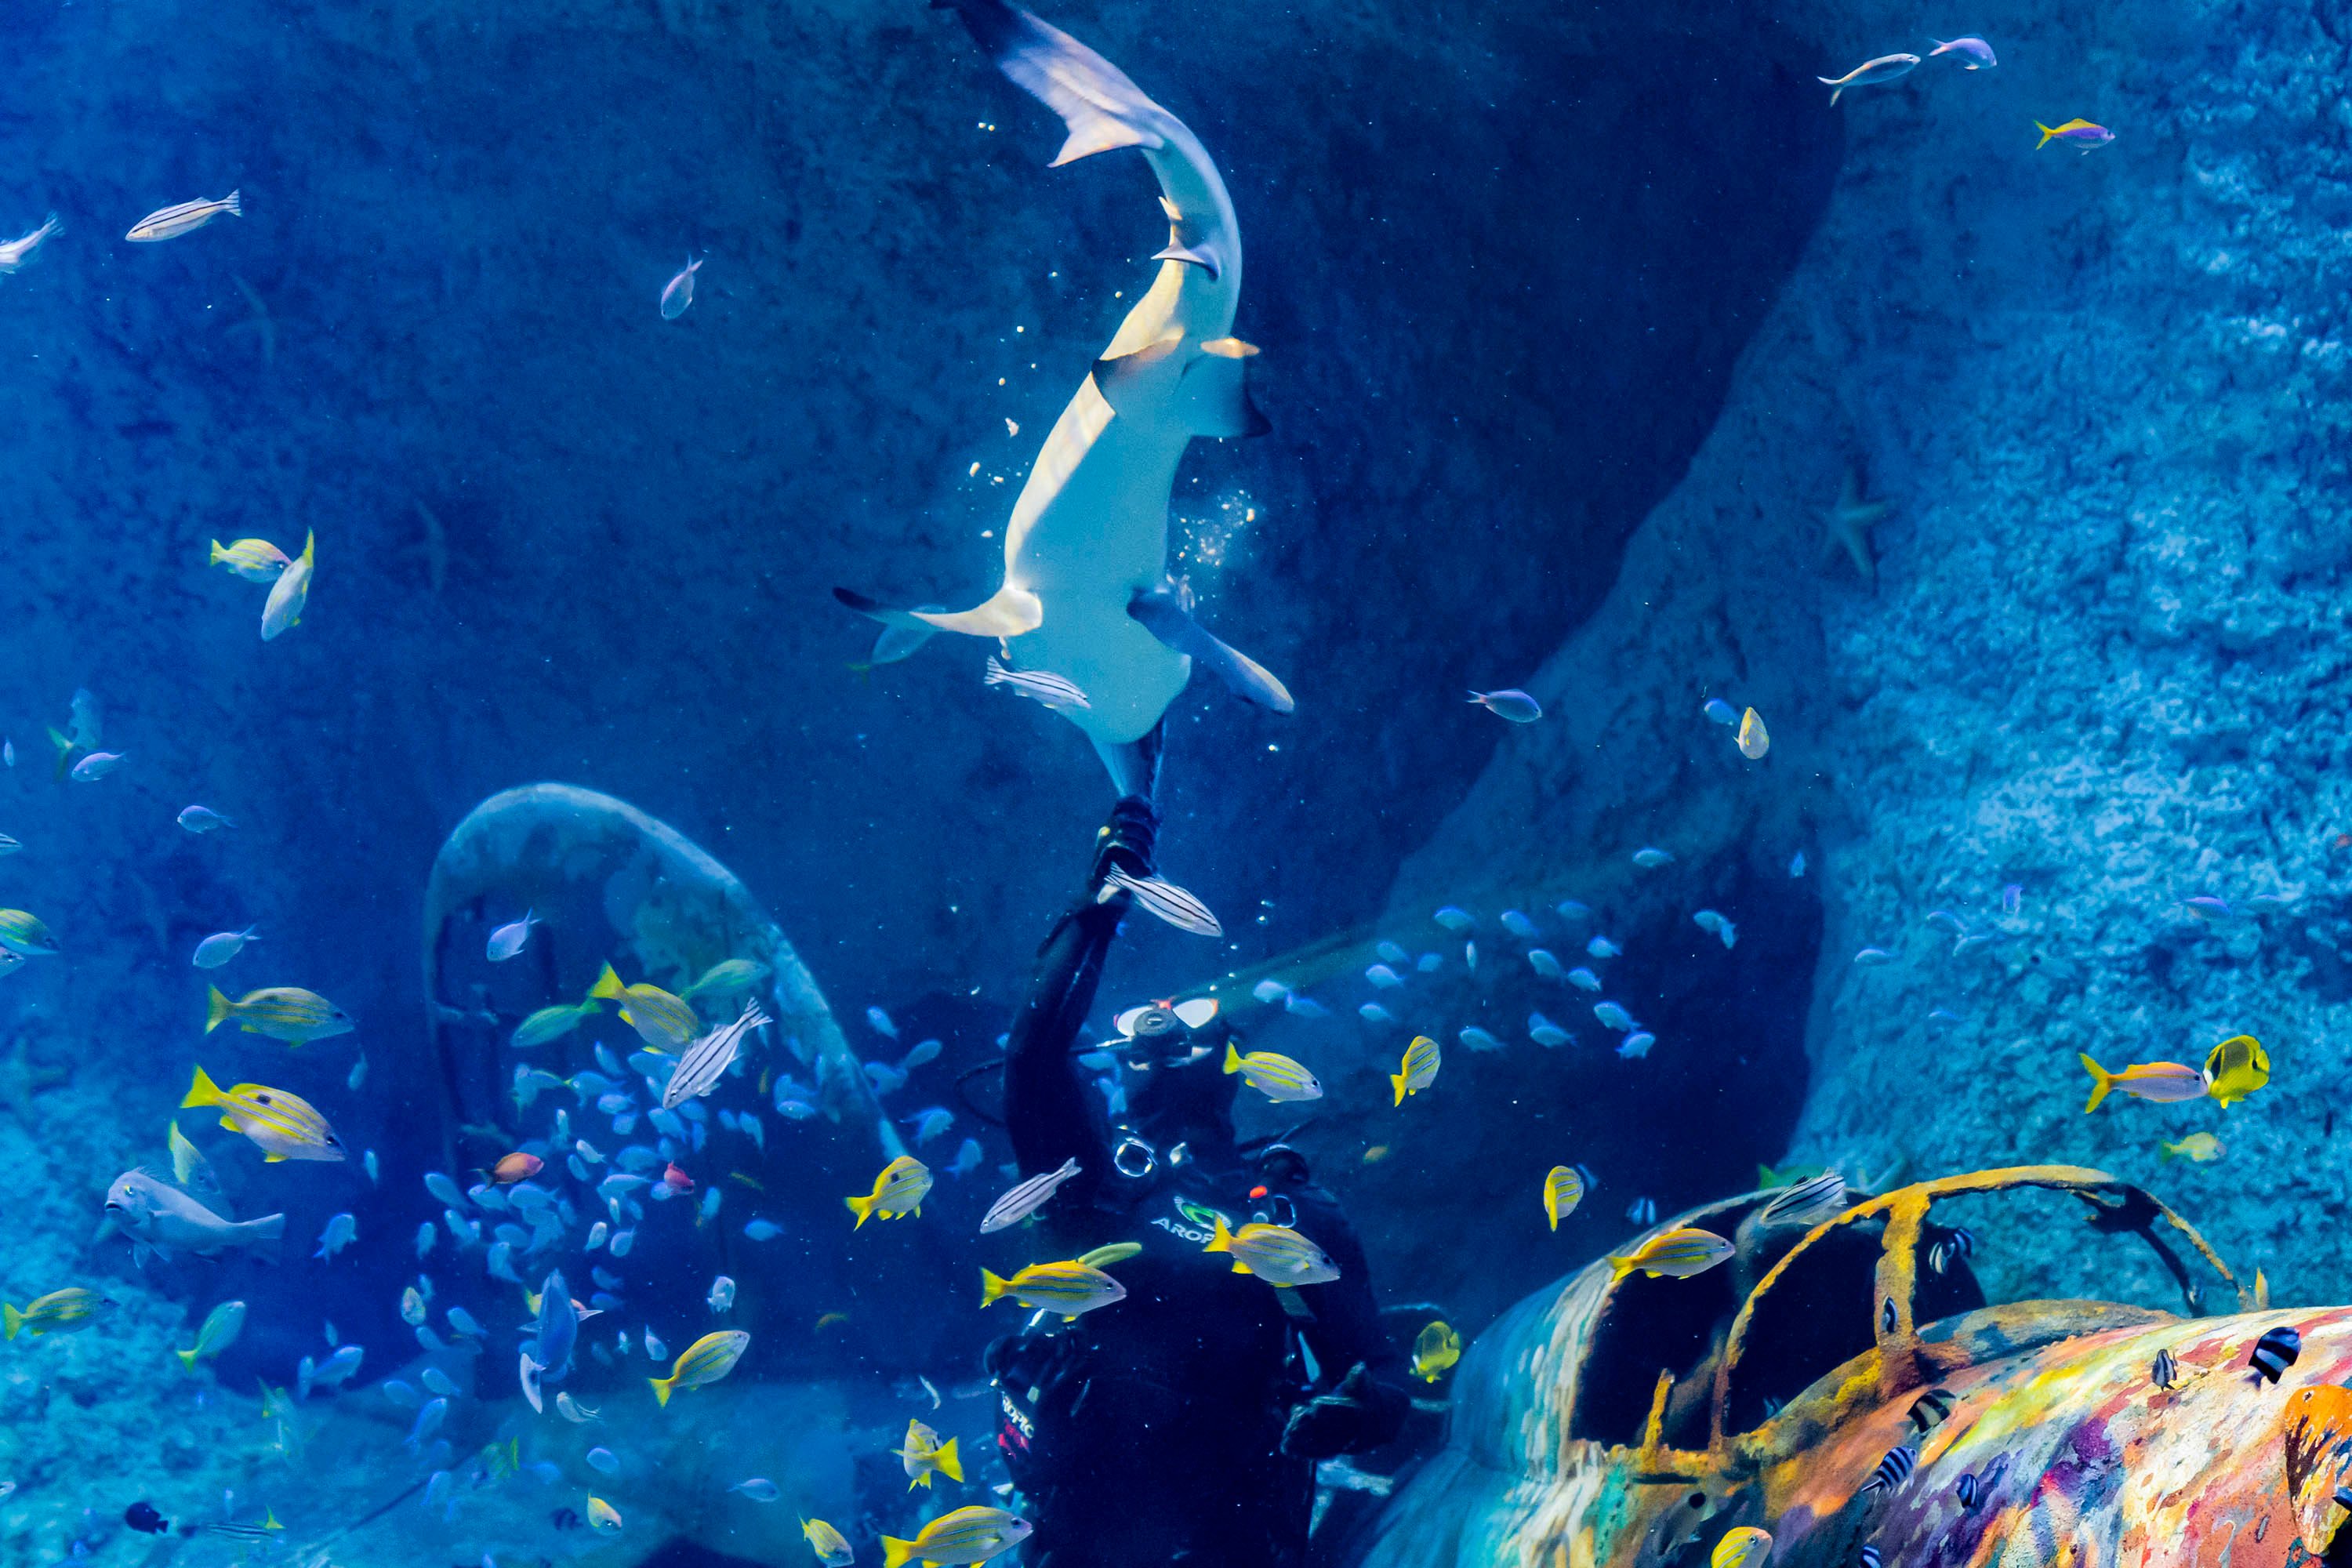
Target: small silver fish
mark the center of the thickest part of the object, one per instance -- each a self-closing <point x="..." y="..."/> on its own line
<point x="1583" y="979"/>
<point x="678" y="293"/>
<point x="1025" y="1198"/>
<point x="722" y="1294"/>
<point x="1974" y="53"/>
<point x="1601" y="947"/>
<point x="507" y="939"/>
<point x="1037" y="685"/>
<point x="1509" y="704"/>
<point x="221" y="946"/>
<point x="1869" y="73"/>
<point x="1168" y="901"/>
<point x="170" y="223"/>
<point x="1720" y="711"/>
<point x="203" y="819"/>
<point x="1650" y="858"/>
<point x="1870" y="957"/>
<point x="95" y="766"/>
<point x="18" y="251"/>
<point x="1636" y="1046"/>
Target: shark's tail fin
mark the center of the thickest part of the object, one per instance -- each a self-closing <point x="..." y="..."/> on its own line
<point x="1102" y="109"/>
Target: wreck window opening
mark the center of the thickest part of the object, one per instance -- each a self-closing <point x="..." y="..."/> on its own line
<point x="2092" y="1266"/>
<point x="1650" y="1326"/>
<point x="1814" y="1319"/>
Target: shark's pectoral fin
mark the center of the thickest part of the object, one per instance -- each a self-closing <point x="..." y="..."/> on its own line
<point x="1203" y="257"/>
<point x="1214" y="398"/>
<point x="1010" y="614"/>
<point x="1101" y="107"/>
<point x="1162" y="614"/>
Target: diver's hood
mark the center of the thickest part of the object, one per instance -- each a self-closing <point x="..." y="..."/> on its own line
<point x="1184" y="1092"/>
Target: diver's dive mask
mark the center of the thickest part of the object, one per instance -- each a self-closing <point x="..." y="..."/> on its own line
<point x="1167" y="1034"/>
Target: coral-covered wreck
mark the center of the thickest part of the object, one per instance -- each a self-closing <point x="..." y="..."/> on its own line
<point x="1615" y="1423"/>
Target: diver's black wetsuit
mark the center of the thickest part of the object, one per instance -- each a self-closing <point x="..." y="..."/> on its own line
<point x="1161" y="1429"/>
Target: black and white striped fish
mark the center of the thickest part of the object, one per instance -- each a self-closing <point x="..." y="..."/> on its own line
<point x="1948" y="1251"/>
<point x="2344" y="1499"/>
<point x="1886" y="1315"/>
<point x="1641" y="1211"/>
<point x="1867" y="1558"/>
<point x="2164" y="1372"/>
<point x="708" y="1057"/>
<point x="1807" y="1203"/>
<point x="1168" y="902"/>
<point x="1894" y="1469"/>
<point x="1971" y="1492"/>
<point x="2276" y="1352"/>
<point x="1928" y="1411"/>
<point x="1037" y="685"/>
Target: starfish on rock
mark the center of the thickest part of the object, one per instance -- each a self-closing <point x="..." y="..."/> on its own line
<point x="1847" y="527"/>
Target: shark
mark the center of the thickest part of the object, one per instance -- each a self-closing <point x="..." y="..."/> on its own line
<point x="1086" y="595"/>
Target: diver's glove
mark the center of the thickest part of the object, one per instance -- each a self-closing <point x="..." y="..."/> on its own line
<point x="1357" y="1414"/>
<point x="1126" y="841"/>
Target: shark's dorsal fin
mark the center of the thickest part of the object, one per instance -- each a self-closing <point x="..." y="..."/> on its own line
<point x="1115" y="378"/>
<point x="1101" y="107"/>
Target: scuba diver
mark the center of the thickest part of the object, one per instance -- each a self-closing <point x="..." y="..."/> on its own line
<point x="1180" y="1425"/>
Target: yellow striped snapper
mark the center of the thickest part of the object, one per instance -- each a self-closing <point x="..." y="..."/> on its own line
<point x="553" y="1023"/>
<point x="170" y="223"/>
<point x="1746" y="1547"/>
<point x="18" y="251"/>
<point x="1679" y="1253"/>
<point x="967" y="1535"/>
<point x="660" y="1019"/>
<point x="833" y="1550"/>
<point x="925" y="1456"/>
<point x="1418" y="1069"/>
<point x="255" y="559"/>
<point x="1275" y="1253"/>
<point x="290" y="595"/>
<point x="1070" y="1288"/>
<point x="285" y="1013"/>
<point x="899" y="1190"/>
<point x="156" y="1214"/>
<point x="1275" y="1076"/>
<point x="284" y="1126"/>
<point x="25" y="936"/>
<point x="705" y="1059"/>
<point x="728" y="977"/>
<point x="65" y="1311"/>
<point x="703" y="1363"/>
<point x="221" y="1326"/>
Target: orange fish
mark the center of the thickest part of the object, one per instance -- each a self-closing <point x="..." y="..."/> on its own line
<point x="677" y="1180"/>
<point x="516" y="1167"/>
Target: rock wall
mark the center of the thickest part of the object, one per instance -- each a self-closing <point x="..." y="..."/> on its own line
<point x="2098" y="395"/>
